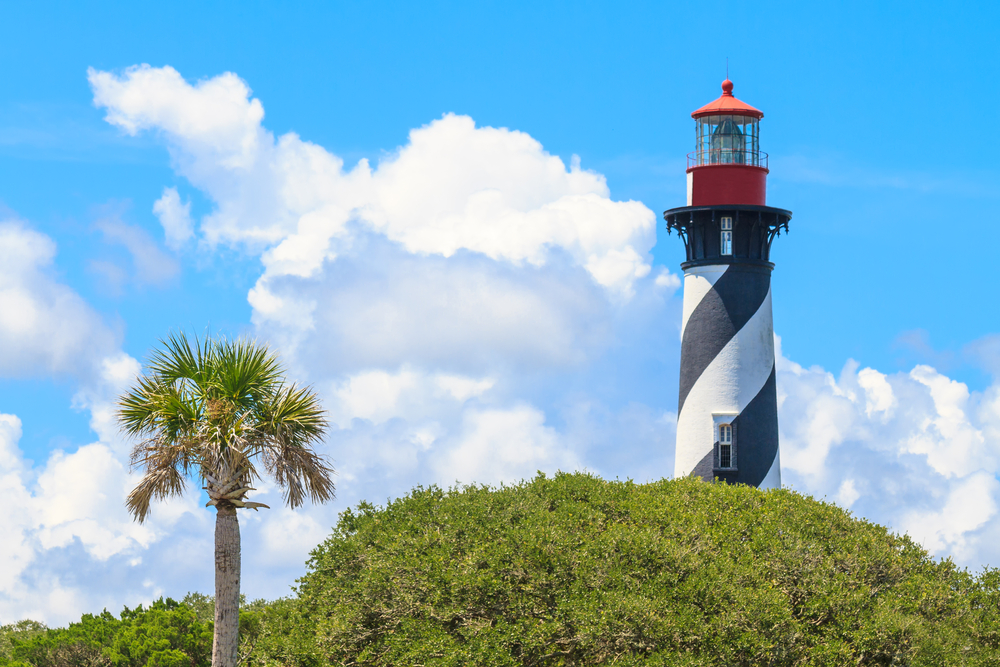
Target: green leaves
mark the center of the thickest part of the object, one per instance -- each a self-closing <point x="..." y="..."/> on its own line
<point x="222" y="407"/>
<point x="578" y="571"/>
<point x="167" y="634"/>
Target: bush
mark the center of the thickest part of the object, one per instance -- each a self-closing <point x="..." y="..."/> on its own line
<point x="21" y="632"/>
<point x="579" y="571"/>
<point x="167" y="634"/>
<point x="574" y="570"/>
<point x="275" y="634"/>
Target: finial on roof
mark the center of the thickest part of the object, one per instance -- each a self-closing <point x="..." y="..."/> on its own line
<point x="727" y="105"/>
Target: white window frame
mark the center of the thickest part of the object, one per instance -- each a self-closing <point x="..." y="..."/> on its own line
<point x="725" y="442"/>
<point x="719" y="420"/>
<point x="726" y="240"/>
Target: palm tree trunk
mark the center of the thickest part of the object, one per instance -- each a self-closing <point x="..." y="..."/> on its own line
<point x="226" y="644"/>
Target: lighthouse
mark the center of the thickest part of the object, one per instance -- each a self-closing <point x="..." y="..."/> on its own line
<point x="727" y="409"/>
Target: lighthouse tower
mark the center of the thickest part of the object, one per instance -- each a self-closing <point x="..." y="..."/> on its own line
<point x="727" y="415"/>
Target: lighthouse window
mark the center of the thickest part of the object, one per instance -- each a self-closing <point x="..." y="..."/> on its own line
<point x="727" y="236"/>
<point x="728" y="143"/>
<point x="725" y="446"/>
<point x="727" y="139"/>
<point x="724" y="449"/>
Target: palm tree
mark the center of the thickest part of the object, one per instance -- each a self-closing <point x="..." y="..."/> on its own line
<point x="220" y="411"/>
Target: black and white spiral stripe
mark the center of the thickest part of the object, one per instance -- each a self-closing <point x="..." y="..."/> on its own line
<point x="727" y="368"/>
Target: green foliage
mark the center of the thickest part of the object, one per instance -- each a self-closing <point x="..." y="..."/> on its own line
<point x="167" y="634"/>
<point x="574" y="570"/>
<point x="579" y="571"/>
<point x="277" y="634"/>
<point x="202" y="605"/>
<point x="20" y="631"/>
<point x="219" y="409"/>
<point x="81" y="644"/>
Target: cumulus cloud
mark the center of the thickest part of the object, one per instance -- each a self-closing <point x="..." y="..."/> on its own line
<point x="667" y="281"/>
<point x="68" y="540"/>
<point x="15" y="554"/>
<point x="917" y="451"/>
<point x="452" y="187"/>
<point x="45" y="327"/>
<point x="73" y="503"/>
<point x="378" y="395"/>
<point x="383" y="307"/>
<point x="175" y="217"/>
<point x="497" y="445"/>
<point x="48" y="329"/>
<point x="213" y="117"/>
<point x="952" y="528"/>
<point x="70" y="546"/>
<point x="508" y="199"/>
<point x="412" y="322"/>
<point x="112" y="375"/>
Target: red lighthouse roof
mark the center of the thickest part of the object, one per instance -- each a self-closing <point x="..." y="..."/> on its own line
<point x="727" y="104"/>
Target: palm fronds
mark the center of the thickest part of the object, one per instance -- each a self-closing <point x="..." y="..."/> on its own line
<point x="166" y="466"/>
<point x="220" y="407"/>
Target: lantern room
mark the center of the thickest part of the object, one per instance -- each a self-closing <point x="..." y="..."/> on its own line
<point x="727" y="165"/>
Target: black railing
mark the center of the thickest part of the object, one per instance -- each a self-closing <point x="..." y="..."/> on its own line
<point x="727" y="156"/>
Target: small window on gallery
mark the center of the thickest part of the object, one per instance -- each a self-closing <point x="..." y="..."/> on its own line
<point x="725" y="446"/>
<point x="727" y="235"/>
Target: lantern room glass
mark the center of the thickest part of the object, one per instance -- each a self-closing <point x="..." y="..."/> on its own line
<point x="727" y="139"/>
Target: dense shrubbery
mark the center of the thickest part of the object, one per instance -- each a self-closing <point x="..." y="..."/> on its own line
<point x="578" y="571"/>
<point x="167" y="634"/>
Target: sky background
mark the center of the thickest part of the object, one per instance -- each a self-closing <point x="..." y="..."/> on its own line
<point x="446" y="217"/>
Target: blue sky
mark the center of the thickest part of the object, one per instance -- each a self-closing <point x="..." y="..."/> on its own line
<point x="471" y="305"/>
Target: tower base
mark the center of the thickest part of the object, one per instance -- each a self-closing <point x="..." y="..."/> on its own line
<point x="727" y="416"/>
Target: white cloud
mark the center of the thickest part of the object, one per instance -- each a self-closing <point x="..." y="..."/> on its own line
<point x="380" y="395"/>
<point x="175" y="216"/>
<point x="667" y="281"/>
<point x="468" y="314"/>
<point x="416" y="293"/>
<point x="73" y="502"/>
<point x="505" y="197"/>
<point x="68" y="507"/>
<point x="968" y="505"/>
<point x="441" y="301"/>
<point x="15" y="521"/>
<point x="114" y="373"/>
<point x="81" y="497"/>
<point x="499" y="445"/>
<point x="288" y="535"/>
<point x="879" y="398"/>
<point x="916" y="451"/>
<point x="946" y="436"/>
<point x="45" y="327"/>
<point x="213" y="117"/>
<point x="452" y="187"/>
<point x="847" y="493"/>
